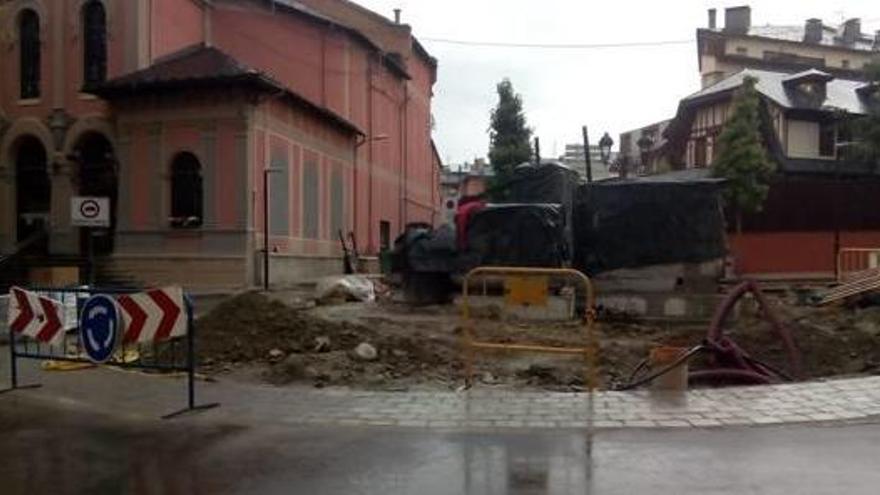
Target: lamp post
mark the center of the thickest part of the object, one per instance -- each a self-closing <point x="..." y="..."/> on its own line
<point x="266" y="172"/>
<point x="645" y="143"/>
<point x="605" y="145"/>
<point x="588" y="167"/>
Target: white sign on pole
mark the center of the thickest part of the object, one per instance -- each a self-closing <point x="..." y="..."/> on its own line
<point x="89" y="211"/>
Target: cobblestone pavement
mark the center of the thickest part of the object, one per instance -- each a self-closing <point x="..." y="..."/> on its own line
<point x="839" y="400"/>
<point x="480" y="408"/>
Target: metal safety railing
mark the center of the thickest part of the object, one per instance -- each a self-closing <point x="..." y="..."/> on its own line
<point x="531" y="288"/>
<point x="854" y="262"/>
<point x="176" y="354"/>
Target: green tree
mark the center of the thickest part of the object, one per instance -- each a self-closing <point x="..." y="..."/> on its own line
<point x="509" y="138"/>
<point x="741" y="157"/>
<point x="866" y="129"/>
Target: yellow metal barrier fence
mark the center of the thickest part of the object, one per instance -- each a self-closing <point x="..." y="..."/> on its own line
<point x="530" y="287"/>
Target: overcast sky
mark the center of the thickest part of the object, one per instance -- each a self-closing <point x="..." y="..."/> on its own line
<point x="608" y="89"/>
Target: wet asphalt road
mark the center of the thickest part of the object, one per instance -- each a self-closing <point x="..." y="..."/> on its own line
<point x="47" y="447"/>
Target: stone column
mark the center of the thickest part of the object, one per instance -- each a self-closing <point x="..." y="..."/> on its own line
<point x="63" y="238"/>
<point x="7" y="208"/>
<point x="123" y="183"/>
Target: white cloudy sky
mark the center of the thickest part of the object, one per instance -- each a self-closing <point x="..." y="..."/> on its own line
<point x="608" y="89"/>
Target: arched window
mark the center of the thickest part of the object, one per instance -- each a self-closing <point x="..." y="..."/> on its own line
<point x="186" y="191"/>
<point x="94" y="22"/>
<point x="29" y="53"/>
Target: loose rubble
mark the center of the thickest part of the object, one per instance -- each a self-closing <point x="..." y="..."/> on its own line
<point x="394" y="346"/>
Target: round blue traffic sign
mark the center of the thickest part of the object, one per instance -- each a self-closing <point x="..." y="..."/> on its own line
<point x="99" y="327"/>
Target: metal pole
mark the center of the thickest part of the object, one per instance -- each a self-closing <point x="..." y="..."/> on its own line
<point x="13" y="372"/>
<point x="537" y="151"/>
<point x="91" y="246"/>
<point x="266" y="229"/>
<point x="191" y="354"/>
<point x="587" y="154"/>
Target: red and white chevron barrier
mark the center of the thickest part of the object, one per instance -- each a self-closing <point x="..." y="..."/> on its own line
<point x="35" y="316"/>
<point x="153" y="316"/>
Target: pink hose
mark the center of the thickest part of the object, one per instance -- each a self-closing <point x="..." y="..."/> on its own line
<point x="731" y="357"/>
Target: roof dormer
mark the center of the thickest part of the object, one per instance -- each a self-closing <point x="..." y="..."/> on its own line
<point x="808" y="88"/>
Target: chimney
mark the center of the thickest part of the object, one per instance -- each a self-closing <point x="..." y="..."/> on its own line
<point x="813" y="31"/>
<point x="738" y="20"/>
<point x="712" y="19"/>
<point x="852" y="31"/>
<point x="396" y="16"/>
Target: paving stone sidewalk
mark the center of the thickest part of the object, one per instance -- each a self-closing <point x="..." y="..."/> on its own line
<point x="136" y="394"/>
<point x="838" y="400"/>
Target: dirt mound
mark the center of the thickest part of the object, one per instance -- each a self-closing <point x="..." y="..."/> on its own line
<point x="421" y="347"/>
<point x="251" y="329"/>
<point x="247" y="327"/>
<point x="835" y="341"/>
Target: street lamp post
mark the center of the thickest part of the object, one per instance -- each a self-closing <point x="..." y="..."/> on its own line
<point x="605" y="145"/>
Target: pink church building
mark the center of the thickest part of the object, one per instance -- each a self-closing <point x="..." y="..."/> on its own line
<point x="179" y="110"/>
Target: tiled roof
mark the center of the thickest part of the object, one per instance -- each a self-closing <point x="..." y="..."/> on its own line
<point x="840" y="93"/>
<point x="202" y="66"/>
<point x="194" y="64"/>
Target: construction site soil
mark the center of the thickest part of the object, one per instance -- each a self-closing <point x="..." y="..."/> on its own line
<point x="393" y="346"/>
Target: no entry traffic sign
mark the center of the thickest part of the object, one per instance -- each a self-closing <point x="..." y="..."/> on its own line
<point x="89" y="211"/>
<point x="99" y="328"/>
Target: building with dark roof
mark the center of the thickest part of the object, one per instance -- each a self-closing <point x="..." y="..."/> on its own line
<point x="842" y="51"/>
<point x="823" y="200"/>
<point x="201" y="121"/>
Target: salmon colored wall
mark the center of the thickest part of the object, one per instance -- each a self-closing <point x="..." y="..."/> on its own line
<point x="260" y="163"/>
<point x="12" y="105"/>
<point x="283" y="128"/>
<point x="227" y="163"/>
<point x="175" y="24"/>
<point x="70" y="77"/>
<point x="793" y="252"/>
<point x="394" y="178"/>
<point x="296" y="190"/>
<point x="76" y="102"/>
<point x="390" y="37"/>
<point x="332" y="69"/>
<point x="337" y="55"/>
<point x="283" y="46"/>
<point x="156" y="136"/>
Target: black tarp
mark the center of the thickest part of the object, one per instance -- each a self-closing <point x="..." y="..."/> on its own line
<point x="421" y="249"/>
<point x="516" y="235"/>
<point x="639" y="222"/>
<point x="547" y="183"/>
